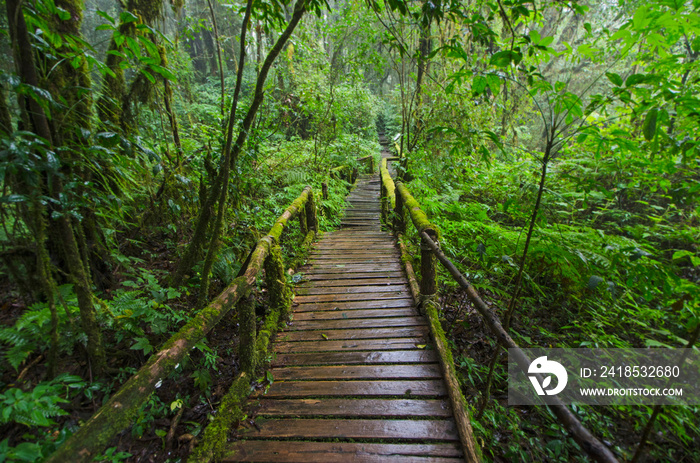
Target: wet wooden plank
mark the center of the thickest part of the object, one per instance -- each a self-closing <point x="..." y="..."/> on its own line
<point x="339" y="277"/>
<point x="341" y="452"/>
<point x="347" y="324"/>
<point x="415" y="430"/>
<point x="353" y="407"/>
<point x="355" y="289"/>
<point x="353" y="282"/>
<point x="350" y="345"/>
<point x="358" y="358"/>
<point x="372" y="333"/>
<point x="345" y="272"/>
<point x="351" y="314"/>
<point x="406" y="388"/>
<point x="346" y="255"/>
<point x="353" y="305"/>
<point x="370" y="267"/>
<point x="333" y="372"/>
<point x="398" y="294"/>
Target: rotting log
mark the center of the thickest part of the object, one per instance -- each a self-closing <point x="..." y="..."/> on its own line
<point x="91" y="438"/>
<point x="590" y="444"/>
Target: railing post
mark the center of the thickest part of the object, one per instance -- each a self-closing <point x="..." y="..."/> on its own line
<point x="276" y="282"/>
<point x="303" y="226"/>
<point x="247" y="333"/>
<point x="399" y="216"/>
<point x="310" y="212"/>
<point x="384" y="200"/>
<point x="428" y="280"/>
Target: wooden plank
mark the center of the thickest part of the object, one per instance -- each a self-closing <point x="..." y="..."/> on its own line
<point x="349" y="324"/>
<point x="353" y="407"/>
<point x="405" y="388"/>
<point x="353" y="305"/>
<point x="350" y="260"/>
<point x="346" y="255"/>
<point x="355" y="289"/>
<point x="415" y="430"/>
<point x="398" y="294"/>
<point x="361" y="358"/>
<point x="346" y="372"/>
<point x="350" y="314"/>
<point x="376" y="333"/>
<point x="350" y="272"/>
<point x="339" y="277"/>
<point x="350" y="345"/>
<point x="341" y="452"/>
<point x="371" y="267"/>
<point x="378" y="281"/>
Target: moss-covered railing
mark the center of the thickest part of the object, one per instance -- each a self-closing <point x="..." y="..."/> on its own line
<point x="402" y="200"/>
<point x="117" y="413"/>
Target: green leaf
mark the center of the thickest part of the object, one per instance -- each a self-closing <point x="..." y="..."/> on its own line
<point x="105" y="16"/>
<point x="649" y="126"/>
<point x="149" y="76"/>
<point x="614" y="78"/>
<point x="165" y="72"/>
<point x="479" y="85"/>
<point x="504" y="58"/>
<point x="635" y="79"/>
<point x="26" y="451"/>
<point x="127" y="17"/>
<point x="681" y="254"/>
<point x="142" y="344"/>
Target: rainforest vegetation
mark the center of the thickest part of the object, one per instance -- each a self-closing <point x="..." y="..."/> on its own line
<point x="146" y="146"/>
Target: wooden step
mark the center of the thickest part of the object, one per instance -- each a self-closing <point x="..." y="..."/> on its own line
<point x="342" y="452"/>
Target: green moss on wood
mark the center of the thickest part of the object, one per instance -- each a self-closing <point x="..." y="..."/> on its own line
<point x="420" y="220"/>
<point x="229" y="413"/>
<point x="118" y="412"/>
<point x="290" y="213"/>
<point x="278" y="291"/>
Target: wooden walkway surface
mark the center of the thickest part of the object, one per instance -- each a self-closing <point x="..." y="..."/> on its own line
<point x="355" y="377"/>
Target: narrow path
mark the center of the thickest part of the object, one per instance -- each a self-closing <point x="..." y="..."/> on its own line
<point x="355" y="378"/>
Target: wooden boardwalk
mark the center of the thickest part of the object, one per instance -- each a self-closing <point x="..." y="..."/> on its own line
<point x="355" y="377"/>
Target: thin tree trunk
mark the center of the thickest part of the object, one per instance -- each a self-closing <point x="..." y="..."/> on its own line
<point x="224" y="171"/>
<point x="218" y="53"/>
<point x="192" y="252"/>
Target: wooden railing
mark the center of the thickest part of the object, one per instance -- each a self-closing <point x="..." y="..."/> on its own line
<point x="398" y="199"/>
<point x="117" y="413"/>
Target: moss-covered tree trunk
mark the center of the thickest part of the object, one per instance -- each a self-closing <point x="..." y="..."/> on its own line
<point x="111" y="105"/>
<point x="5" y="118"/>
<point x="69" y="85"/>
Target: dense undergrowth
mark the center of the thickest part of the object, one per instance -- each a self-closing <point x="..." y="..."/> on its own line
<point x="610" y="265"/>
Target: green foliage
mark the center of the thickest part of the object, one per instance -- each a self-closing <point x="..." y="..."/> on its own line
<point x="31" y="332"/>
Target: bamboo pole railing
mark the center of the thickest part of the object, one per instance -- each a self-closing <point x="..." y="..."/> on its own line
<point x="117" y="413"/>
<point x="430" y="250"/>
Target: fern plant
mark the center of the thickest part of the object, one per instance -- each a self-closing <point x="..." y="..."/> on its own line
<point x="38" y="406"/>
<point x="31" y="332"/>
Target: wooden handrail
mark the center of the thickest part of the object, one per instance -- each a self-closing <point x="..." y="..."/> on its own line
<point x="585" y="439"/>
<point x="430" y="244"/>
<point x="117" y="413"/>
